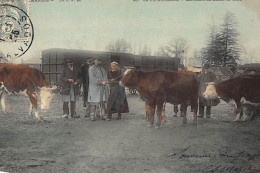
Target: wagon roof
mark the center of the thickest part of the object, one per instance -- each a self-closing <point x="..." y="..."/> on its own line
<point x="252" y="66"/>
<point x="222" y="71"/>
<point x="79" y="51"/>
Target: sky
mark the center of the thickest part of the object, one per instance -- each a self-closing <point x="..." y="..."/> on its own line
<point x="92" y="24"/>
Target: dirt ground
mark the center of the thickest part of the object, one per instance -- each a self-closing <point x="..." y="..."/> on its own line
<point x="128" y="145"/>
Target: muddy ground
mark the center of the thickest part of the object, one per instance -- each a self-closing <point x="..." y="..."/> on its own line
<point x="128" y="145"/>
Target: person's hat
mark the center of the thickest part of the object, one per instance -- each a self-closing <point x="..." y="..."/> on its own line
<point x="206" y="66"/>
<point x="98" y="58"/>
<point x="70" y="60"/>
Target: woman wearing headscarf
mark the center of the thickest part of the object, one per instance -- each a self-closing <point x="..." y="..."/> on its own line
<point x="117" y="102"/>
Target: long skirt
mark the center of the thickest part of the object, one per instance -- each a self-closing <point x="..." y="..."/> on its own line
<point x="117" y="102"/>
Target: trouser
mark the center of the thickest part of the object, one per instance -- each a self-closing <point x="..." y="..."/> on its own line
<point x="175" y="109"/>
<point x="201" y="110"/>
<point x="87" y="109"/>
<point x="97" y="108"/>
<point x="66" y="108"/>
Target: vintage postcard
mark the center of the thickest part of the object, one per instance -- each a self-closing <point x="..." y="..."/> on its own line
<point x="130" y="86"/>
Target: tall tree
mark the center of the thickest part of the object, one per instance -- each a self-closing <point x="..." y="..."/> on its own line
<point x="222" y="45"/>
<point x="228" y="39"/>
<point x="120" y="45"/>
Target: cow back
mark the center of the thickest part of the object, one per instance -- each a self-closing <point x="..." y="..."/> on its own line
<point x="19" y="77"/>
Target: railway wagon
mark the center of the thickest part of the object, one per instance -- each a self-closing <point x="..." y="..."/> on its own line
<point x="53" y="61"/>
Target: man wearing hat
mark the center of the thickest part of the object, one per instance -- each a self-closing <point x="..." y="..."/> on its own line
<point x="205" y="77"/>
<point x="70" y="88"/>
<point x="98" y="91"/>
<point x="85" y="79"/>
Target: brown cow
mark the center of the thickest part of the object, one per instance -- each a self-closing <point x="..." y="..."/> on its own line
<point x="17" y="78"/>
<point x="246" y="87"/>
<point x="158" y="87"/>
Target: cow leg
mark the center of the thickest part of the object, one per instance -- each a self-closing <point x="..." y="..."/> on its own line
<point x="194" y="107"/>
<point x="238" y="110"/>
<point x="3" y="102"/>
<point x="33" y="101"/>
<point x="184" y="113"/>
<point x="30" y="109"/>
<point x="150" y="109"/>
<point x="159" y="114"/>
<point x="164" y="115"/>
<point x="147" y="107"/>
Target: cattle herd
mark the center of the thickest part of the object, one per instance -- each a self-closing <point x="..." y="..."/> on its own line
<point x="155" y="88"/>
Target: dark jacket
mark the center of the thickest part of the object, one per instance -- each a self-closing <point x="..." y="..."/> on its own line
<point x="68" y="74"/>
<point x="85" y="80"/>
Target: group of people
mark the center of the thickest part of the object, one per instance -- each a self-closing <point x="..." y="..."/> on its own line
<point x="101" y="92"/>
<point x="103" y="95"/>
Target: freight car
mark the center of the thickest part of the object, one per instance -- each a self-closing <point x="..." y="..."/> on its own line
<point x="53" y="61"/>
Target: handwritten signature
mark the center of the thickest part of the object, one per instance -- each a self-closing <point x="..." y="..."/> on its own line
<point x="221" y="168"/>
<point x="223" y="152"/>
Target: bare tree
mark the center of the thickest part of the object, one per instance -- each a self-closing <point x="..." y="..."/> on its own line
<point x="176" y="48"/>
<point x="120" y="45"/>
<point x="146" y="51"/>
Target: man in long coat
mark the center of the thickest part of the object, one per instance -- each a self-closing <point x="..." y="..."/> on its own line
<point x="85" y="77"/>
<point x="70" y="88"/>
<point x="98" y="92"/>
<point x="204" y="77"/>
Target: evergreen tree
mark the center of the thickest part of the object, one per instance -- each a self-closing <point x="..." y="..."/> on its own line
<point x="228" y="40"/>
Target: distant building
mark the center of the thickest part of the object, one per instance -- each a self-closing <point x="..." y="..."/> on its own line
<point x="194" y="62"/>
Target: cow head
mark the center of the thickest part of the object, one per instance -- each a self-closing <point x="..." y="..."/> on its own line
<point x="46" y="94"/>
<point x="131" y="78"/>
<point x="210" y="92"/>
<point x="224" y="90"/>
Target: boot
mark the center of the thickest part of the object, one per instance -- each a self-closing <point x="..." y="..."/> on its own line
<point x="76" y="116"/>
<point x="119" y="117"/>
<point x="109" y="117"/>
<point x="65" y="116"/>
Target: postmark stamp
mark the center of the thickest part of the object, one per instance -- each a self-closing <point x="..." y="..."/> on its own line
<point x="22" y="4"/>
<point x="16" y="31"/>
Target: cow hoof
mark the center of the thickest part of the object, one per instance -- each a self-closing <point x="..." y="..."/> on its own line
<point x="39" y="118"/>
<point x="236" y="120"/>
<point x="150" y="125"/>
